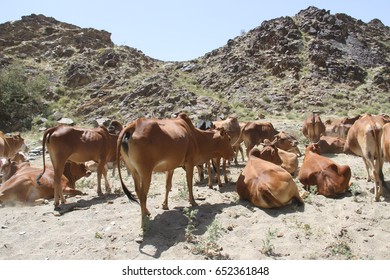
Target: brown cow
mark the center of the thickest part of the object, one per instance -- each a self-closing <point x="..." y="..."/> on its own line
<point x="21" y="184"/>
<point x="340" y="127"/>
<point x="11" y="145"/>
<point x="364" y="140"/>
<point x="386" y="142"/>
<point x="313" y="128"/>
<point x="316" y="170"/>
<point x="66" y="143"/>
<point x="233" y="129"/>
<point x="287" y="160"/>
<point x="265" y="184"/>
<point x="331" y="145"/>
<point x="286" y="142"/>
<point x="254" y="133"/>
<point x="148" y="145"/>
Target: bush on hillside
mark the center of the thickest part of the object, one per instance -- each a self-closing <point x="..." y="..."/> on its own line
<point x="20" y="97"/>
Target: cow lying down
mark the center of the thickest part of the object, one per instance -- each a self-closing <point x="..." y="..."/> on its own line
<point x="266" y="184"/>
<point x="21" y="184"/>
<point x="330" y="178"/>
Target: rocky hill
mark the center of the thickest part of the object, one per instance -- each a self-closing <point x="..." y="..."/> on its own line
<point x="287" y="66"/>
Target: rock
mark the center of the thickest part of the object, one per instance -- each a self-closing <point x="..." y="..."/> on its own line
<point x="66" y="121"/>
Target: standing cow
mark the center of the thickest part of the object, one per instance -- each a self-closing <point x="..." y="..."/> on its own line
<point x="154" y="145"/>
<point x="313" y="128"/>
<point x="364" y="140"/>
<point x="78" y="145"/>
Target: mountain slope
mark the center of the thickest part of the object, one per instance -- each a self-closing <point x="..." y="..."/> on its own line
<point x="287" y="66"/>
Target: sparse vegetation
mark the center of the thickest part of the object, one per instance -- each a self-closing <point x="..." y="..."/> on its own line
<point x="268" y="248"/>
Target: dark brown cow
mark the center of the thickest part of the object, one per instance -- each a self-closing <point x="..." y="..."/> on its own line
<point x="79" y="145"/>
<point x="331" y="145"/>
<point x="316" y="170"/>
<point x="21" y="184"/>
<point x="265" y="184"/>
<point x="364" y="140"/>
<point x="340" y="127"/>
<point x="154" y="145"/>
<point x="313" y="128"/>
<point x="11" y="145"/>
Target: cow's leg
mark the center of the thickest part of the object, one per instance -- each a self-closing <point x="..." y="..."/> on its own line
<point x="217" y="162"/>
<point x="242" y="153"/>
<point x="101" y="170"/>
<point x="210" y="183"/>
<point x="367" y="165"/>
<point x="143" y="194"/>
<point x="379" y="179"/>
<point x="189" y="176"/>
<point x="200" y="172"/>
<point x="168" y="187"/>
<point x="225" y="177"/>
<point x="58" y="168"/>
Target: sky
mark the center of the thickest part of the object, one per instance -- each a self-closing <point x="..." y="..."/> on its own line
<point x="180" y="30"/>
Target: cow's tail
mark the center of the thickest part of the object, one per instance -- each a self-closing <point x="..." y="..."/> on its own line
<point x="46" y="137"/>
<point x="122" y="142"/>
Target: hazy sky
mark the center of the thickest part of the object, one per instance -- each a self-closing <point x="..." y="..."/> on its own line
<point x="182" y="29"/>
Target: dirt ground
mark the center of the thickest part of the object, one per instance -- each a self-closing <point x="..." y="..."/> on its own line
<point x="222" y="226"/>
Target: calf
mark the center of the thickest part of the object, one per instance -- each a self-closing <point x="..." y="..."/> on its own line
<point x="266" y="184"/>
<point x="316" y="170"/>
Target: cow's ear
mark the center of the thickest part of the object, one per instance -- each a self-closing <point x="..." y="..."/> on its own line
<point x="222" y="131"/>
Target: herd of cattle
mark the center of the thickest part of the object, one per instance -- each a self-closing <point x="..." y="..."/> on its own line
<point x="161" y="145"/>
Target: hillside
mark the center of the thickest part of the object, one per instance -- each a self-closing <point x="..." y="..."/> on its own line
<point x="286" y="67"/>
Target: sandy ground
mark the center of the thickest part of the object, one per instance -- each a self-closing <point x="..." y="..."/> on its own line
<point x="221" y="227"/>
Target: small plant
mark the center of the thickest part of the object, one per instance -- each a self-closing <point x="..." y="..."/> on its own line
<point x="341" y="248"/>
<point x="191" y="226"/>
<point x="214" y="231"/>
<point x="268" y="248"/>
<point x="355" y="191"/>
<point x="98" y="235"/>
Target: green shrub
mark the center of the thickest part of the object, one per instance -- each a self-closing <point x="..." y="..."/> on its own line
<point x="20" y="97"/>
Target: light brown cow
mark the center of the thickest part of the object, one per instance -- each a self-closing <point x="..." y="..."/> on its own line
<point x="287" y="160"/>
<point x="313" y="128"/>
<point x="286" y="142"/>
<point x="330" y="178"/>
<point x="154" y="145"/>
<point x="385" y="141"/>
<point x="11" y="145"/>
<point x="22" y="186"/>
<point x="364" y="140"/>
<point x="339" y="127"/>
<point x="79" y="145"/>
<point x="266" y="184"/>
<point x="233" y="129"/>
<point x="331" y="145"/>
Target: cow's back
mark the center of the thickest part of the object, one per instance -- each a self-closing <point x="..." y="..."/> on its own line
<point x="364" y="136"/>
<point x="160" y="144"/>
